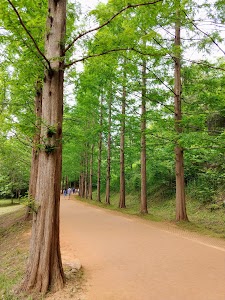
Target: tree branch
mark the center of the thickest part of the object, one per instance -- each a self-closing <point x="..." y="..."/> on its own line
<point x="203" y="63"/>
<point x="206" y="34"/>
<point x="108" y="21"/>
<point x="104" y="53"/>
<point x="27" y="31"/>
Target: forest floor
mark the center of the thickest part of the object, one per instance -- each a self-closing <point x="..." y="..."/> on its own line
<point x="123" y="257"/>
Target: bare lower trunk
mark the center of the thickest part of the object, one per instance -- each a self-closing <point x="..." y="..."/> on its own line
<point x="35" y="152"/>
<point x="144" y="209"/>
<point x="180" y="183"/>
<point x="63" y="185"/>
<point x="108" y="176"/>
<point x="80" y="185"/>
<point x="180" y="186"/>
<point x="100" y="155"/>
<point x="82" y="178"/>
<point x="86" y="183"/>
<point x="122" y="203"/>
<point x="44" y="270"/>
<point x="67" y="183"/>
<point x="91" y="173"/>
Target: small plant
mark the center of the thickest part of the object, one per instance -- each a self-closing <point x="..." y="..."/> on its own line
<point x="51" y="131"/>
<point x="30" y="202"/>
<point x="49" y="149"/>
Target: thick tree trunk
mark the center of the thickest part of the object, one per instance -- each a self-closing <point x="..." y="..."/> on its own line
<point x="35" y="152"/>
<point x="144" y="209"/>
<point x="108" y="175"/>
<point x="44" y="270"/>
<point x="122" y="203"/>
<point x="180" y="184"/>
<point x="100" y="153"/>
<point x="91" y="173"/>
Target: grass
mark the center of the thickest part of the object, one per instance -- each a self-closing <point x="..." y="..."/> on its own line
<point x="14" y="242"/>
<point x="201" y="219"/>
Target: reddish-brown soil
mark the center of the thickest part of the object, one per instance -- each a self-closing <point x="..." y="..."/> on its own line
<point x="126" y="258"/>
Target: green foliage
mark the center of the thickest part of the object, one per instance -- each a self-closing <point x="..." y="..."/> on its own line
<point x="30" y="202"/>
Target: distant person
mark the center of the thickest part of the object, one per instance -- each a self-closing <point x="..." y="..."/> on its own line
<point x="69" y="191"/>
<point x="65" y="192"/>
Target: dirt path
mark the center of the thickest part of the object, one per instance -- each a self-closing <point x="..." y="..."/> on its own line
<point x="130" y="259"/>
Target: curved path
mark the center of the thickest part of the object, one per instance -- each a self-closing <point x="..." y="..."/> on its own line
<point x="126" y="258"/>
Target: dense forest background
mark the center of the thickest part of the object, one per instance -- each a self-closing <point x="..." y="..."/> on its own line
<point x="119" y="100"/>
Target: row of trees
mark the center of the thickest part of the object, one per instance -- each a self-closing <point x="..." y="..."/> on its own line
<point x="128" y="120"/>
<point x="128" y="94"/>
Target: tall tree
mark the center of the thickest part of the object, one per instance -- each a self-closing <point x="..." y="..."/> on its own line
<point x="122" y="203"/>
<point x="144" y="209"/>
<point x="108" y="176"/>
<point x="45" y="266"/>
<point x="100" y="150"/>
<point x="179" y="151"/>
<point x="91" y="172"/>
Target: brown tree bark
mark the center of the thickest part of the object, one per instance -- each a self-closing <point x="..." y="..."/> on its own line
<point x="67" y="182"/>
<point x="181" y="214"/>
<point x="144" y="208"/>
<point x="80" y="185"/>
<point x="35" y="152"/>
<point x="86" y="183"/>
<point x="122" y="203"/>
<point x="100" y="153"/>
<point x="91" y="173"/>
<point x="82" y="179"/>
<point x="108" y="175"/>
<point x="44" y="270"/>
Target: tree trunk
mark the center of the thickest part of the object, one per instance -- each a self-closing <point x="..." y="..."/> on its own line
<point x="80" y="185"/>
<point x="100" y="153"/>
<point x="35" y="152"/>
<point x="86" y="173"/>
<point x="144" y="209"/>
<point x="63" y="185"/>
<point x="67" y="182"/>
<point x="44" y="270"/>
<point x="180" y="184"/>
<point x="122" y="203"/>
<point x="82" y="177"/>
<point x="91" y="172"/>
<point x="108" y="175"/>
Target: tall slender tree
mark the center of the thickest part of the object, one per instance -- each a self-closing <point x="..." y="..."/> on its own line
<point x="122" y="203"/>
<point x="100" y="150"/>
<point x="108" y="176"/>
<point x="144" y="209"/>
<point x="179" y="151"/>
